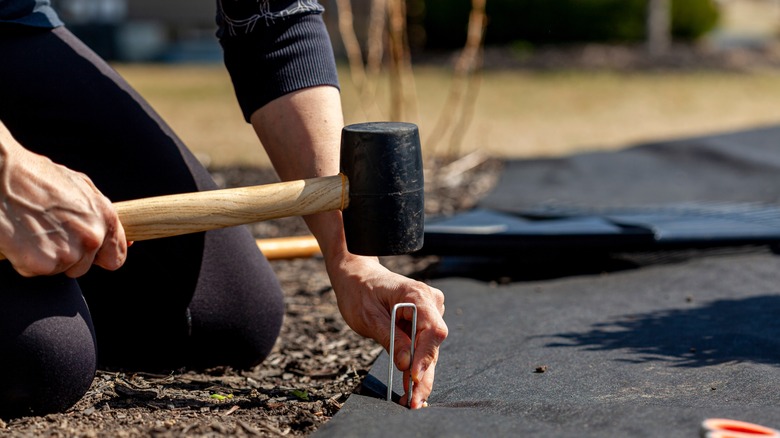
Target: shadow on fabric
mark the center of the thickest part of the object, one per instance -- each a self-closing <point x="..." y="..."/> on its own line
<point x="548" y="266"/>
<point x="739" y="330"/>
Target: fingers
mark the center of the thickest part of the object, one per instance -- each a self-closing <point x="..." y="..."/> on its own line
<point x="81" y="267"/>
<point x="51" y="260"/>
<point x="73" y="248"/>
<point x="79" y="257"/>
<point x="427" y="352"/>
<point x="431" y="333"/>
<point x="402" y="333"/>
<point x="421" y="390"/>
<point x="107" y="250"/>
<point x="103" y="243"/>
<point x="113" y="252"/>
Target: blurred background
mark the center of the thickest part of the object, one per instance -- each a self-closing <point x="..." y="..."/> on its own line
<point x="498" y="78"/>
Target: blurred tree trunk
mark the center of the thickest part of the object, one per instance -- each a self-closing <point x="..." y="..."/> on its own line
<point x="659" y="29"/>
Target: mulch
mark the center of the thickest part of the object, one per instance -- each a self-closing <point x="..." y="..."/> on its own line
<point x="316" y="364"/>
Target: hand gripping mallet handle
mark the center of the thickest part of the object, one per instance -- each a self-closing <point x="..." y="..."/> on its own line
<point x="380" y="189"/>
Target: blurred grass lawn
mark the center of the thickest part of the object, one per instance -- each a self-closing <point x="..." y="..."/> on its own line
<point x="517" y="114"/>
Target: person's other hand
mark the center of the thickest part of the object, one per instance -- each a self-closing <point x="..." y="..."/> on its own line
<point x="52" y="219"/>
<point x="367" y="291"/>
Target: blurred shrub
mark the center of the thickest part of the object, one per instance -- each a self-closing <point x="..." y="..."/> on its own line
<point x="557" y="21"/>
<point x="692" y="19"/>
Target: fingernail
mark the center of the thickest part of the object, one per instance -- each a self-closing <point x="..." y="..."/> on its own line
<point x="404" y="359"/>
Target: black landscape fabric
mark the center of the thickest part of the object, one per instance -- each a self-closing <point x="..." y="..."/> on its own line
<point x="647" y="347"/>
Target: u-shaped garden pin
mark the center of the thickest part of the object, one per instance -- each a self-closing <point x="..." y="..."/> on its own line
<point x="391" y="351"/>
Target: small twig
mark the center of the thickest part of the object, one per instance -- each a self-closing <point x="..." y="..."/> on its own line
<point x="248" y="429"/>
<point x="234" y="408"/>
<point x="376" y="49"/>
<point x="334" y="401"/>
<point x="464" y="164"/>
<point x="464" y="83"/>
<point x="351" y="44"/>
<point x="401" y="76"/>
<point x="396" y="44"/>
<point x="451" y="174"/>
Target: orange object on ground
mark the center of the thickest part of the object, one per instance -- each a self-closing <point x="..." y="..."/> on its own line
<point x="725" y="428"/>
<point x="289" y="247"/>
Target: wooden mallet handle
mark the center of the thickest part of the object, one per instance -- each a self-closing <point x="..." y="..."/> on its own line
<point x="173" y="215"/>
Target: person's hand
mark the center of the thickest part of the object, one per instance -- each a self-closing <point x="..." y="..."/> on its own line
<point x="52" y="219"/>
<point x="366" y="292"/>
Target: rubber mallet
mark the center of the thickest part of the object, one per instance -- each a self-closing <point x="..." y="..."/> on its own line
<point x="380" y="190"/>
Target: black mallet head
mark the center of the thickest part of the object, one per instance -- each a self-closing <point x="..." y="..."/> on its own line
<point x="383" y="164"/>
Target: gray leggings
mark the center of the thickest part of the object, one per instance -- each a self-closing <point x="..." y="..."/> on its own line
<point x="193" y="301"/>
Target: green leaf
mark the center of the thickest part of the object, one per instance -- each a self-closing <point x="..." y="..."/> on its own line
<point x="301" y="394"/>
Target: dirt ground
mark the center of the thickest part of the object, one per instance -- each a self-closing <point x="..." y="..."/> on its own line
<point x="316" y="364"/>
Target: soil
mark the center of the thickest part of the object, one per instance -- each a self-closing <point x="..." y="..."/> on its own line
<point x="316" y="364"/>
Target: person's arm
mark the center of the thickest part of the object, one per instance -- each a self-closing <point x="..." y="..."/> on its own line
<point x="301" y="132"/>
<point x="52" y="219"/>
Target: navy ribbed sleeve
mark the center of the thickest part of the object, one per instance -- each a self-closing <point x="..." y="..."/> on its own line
<point x="36" y="13"/>
<point x="270" y="55"/>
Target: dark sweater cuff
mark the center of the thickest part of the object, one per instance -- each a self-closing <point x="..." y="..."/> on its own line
<point x="289" y="55"/>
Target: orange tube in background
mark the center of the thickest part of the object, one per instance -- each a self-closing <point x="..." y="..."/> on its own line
<point x="726" y="428"/>
<point x="281" y="248"/>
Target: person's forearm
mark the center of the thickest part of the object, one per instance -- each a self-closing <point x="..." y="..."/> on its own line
<point x="301" y="132"/>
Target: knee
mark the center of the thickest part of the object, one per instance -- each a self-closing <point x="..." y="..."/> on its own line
<point x="241" y="338"/>
<point x="238" y="308"/>
<point x="47" y="345"/>
<point x="45" y="371"/>
<point x="264" y="332"/>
